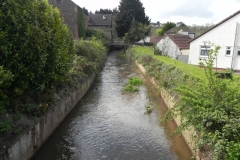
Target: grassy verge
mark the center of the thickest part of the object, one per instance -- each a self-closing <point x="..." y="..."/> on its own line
<point x="203" y="100"/>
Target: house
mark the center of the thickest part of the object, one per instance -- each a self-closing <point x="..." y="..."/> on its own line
<point x="174" y="45"/>
<point x="180" y="30"/>
<point x="69" y="12"/>
<point x="155" y="39"/>
<point x="101" y="21"/>
<point x="226" y="35"/>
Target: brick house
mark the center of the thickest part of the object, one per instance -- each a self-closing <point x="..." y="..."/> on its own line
<point x="69" y="12"/>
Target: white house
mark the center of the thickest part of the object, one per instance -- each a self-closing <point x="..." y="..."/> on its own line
<point x="174" y="45"/>
<point x="226" y="35"/>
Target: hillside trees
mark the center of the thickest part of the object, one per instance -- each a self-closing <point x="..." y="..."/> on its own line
<point x="36" y="48"/>
<point x="129" y="9"/>
<point x="165" y="27"/>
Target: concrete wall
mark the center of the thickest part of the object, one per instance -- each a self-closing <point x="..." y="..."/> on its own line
<point x="223" y="35"/>
<point x="168" y="48"/>
<point x="31" y="141"/>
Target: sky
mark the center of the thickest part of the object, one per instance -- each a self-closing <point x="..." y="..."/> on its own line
<point x="199" y="12"/>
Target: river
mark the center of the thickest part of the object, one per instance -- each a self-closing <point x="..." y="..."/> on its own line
<point x="110" y="124"/>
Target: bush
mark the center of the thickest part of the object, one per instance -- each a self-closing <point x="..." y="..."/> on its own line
<point x="90" y="54"/>
<point x="6" y="78"/>
<point x="36" y="47"/>
<point x="104" y="37"/>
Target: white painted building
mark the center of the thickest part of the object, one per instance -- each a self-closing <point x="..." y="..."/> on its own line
<point x="174" y="45"/>
<point x="226" y="34"/>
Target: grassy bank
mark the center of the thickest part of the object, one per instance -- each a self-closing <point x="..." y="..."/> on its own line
<point x="203" y="100"/>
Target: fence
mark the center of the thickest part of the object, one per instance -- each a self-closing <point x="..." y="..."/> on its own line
<point x="183" y="58"/>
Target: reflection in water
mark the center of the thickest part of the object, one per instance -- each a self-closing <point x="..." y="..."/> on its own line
<point x="110" y="124"/>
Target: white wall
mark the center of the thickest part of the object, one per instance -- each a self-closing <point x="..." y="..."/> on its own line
<point x="223" y="35"/>
<point x="168" y="48"/>
<point x="185" y="52"/>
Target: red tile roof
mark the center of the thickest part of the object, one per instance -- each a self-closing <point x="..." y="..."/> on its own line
<point x="180" y="40"/>
<point x="226" y="19"/>
<point x="155" y="39"/>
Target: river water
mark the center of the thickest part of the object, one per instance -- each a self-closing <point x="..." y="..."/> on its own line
<point x="110" y="124"/>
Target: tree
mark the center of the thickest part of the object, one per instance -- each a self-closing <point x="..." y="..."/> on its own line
<point x="85" y="10"/>
<point x="181" y="24"/>
<point x="165" y="27"/>
<point x="81" y="23"/>
<point x="129" y="9"/>
<point x="137" y="32"/>
<point x="104" y="11"/>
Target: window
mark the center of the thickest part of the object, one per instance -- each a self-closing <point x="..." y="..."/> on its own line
<point x="228" y="51"/>
<point x="204" y="50"/>
<point x="59" y="1"/>
<point x="238" y="51"/>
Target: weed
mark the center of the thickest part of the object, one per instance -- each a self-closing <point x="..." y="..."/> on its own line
<point x="130" y="88"/>
<point x="6" y="125"/>
<point x="135" y="81"/>
<point x="148" y="108"/>
<point x="122" y="55"/>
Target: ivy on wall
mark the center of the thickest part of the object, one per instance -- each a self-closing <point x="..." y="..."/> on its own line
<point x="81" y="23"/>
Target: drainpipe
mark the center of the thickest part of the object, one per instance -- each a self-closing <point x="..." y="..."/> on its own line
<point x="235" y="41"/>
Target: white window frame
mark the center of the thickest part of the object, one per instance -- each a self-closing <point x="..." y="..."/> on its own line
<point x="228" y="51"/>
<point x="204" y="51"/>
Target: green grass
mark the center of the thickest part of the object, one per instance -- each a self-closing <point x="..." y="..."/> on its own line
<point x="192" y="70"/>
<point x="135" y="81"/>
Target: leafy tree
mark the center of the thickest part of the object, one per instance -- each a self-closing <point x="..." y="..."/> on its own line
<point x="181" y="24"/>
<point x="36" y="46"/>
<point x="129" y="9"/>
<point x="104" y="11"/>
<point x="85" y="10"/>
<point x="81" y="23"/>
<point x="165" y="27"/>
<point x="137" y="32"/>
<point x="212" y="108"/>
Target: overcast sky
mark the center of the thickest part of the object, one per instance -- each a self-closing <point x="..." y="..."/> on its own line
<point x="188" y="11"/>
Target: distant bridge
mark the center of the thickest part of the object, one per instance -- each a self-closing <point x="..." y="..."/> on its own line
<point x="117" y="45"/>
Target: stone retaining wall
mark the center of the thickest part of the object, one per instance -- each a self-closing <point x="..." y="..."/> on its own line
<point x="32" y="140"/>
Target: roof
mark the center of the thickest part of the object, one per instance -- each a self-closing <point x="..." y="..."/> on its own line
<point x="226" y="19"/>
<point x="155" y="39"/>
<point x="180" y="40"/>
<point x="100" y="20"/>
<point x="176" y="29"/>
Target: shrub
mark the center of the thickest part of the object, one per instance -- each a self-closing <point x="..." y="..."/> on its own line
<point x="104" y="37"/>
<point x="6" y="78"/>
<point x="90" y="54"/>
<point x="36" y="47"/>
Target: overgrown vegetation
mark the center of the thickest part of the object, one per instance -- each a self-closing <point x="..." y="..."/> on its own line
<point x="133" y="84"/>
<point x="81" y="23"/>
<point x="205" y="101"/>
<point x="104" y="37"/>
<point x="39" y="59"/>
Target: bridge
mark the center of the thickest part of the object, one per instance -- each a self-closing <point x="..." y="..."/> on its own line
<point x="117" y="45"/>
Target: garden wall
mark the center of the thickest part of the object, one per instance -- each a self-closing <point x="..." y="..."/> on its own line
<point x="32" y="140"/>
